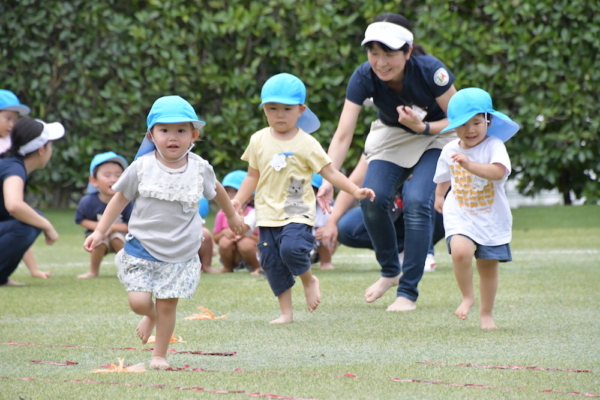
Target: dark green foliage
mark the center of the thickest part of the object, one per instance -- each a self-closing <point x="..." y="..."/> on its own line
<point x="99" y="66"/>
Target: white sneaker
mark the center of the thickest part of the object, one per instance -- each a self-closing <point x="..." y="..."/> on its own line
<point x="429" y="263"/>
<point x="401" y="258"/>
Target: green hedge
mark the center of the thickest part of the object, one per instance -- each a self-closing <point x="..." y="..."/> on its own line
<point x="98" y="67"/>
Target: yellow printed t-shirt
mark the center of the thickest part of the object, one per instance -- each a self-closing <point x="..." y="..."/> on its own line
<point x="284" y="193"/>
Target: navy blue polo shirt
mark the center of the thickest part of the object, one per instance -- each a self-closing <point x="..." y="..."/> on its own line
<point x="10" y="167"/>
<point x="425" y="79"/>
<point x="90" y="207"/>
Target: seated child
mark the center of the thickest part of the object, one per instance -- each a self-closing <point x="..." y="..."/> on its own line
<point x="237" y="250"/>
<point x="321" y="253"/>
<point x="476" y="212"/>
<point x="105" y="171"/>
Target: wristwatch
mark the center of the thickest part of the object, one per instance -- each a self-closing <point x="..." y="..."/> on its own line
<point x="426" y="130"/>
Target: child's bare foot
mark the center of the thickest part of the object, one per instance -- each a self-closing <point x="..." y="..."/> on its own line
<point x="258" y="271"/>
<point x="326" y="266"/>
<point x="145" y="328"/>
<point x="224" y="271"/>
<point x="378" y="289"/>
<point x="284" y="319"/>
<point x="13" y="283"/>
<point x="210" y="270"/>
<point x="463" y="309"/>
<point x="87" y="275"/>
<point x="487" y="322"/>
<point x="158" y="362"/>
<point x="402" y="304"/>
<point x="312" y="291"/>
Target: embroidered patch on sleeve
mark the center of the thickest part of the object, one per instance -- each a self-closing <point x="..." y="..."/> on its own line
<point x="441" y="77"/>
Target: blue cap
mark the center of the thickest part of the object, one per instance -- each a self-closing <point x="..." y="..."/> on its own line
<point x="10" y="102"/>
<point x="467" y="103"/>
<point x="203" y="207"/>
<point x="168" y="110"/>
<point x="288" y="89"/>
<point x="234" y="179"/>
<point x="317" y="180"/>
<point x="102" y="158"/>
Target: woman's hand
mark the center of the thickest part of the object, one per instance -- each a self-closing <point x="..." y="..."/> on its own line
<point x="409" y="118"/>
<point x="328" y="234"/>
<point x="51" y="235"/>
<point x="325" y="196"/>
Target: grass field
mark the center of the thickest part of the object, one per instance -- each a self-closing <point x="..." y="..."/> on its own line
<point x="547" y="308"/>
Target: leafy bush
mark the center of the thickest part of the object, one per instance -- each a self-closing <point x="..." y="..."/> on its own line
<point x="99" y="66"/>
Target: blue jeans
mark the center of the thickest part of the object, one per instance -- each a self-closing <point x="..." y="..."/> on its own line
<point x="15" y="238"/>
<point x="418" y="197"/>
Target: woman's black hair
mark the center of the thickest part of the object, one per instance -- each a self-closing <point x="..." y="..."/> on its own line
<point x="24" y="131"/>
<point x="401" y="20"/>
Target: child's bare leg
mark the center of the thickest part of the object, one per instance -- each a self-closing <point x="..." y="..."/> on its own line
<point x="247" y="248"/>
<point x="379" y="288"/>
<point x="285" y="303"/>
<point x="166" y="311"/>
<point x="141" y="303"/>
<point x="228" y="251"/>
<point x="325" y="258"/>
<point x="488" y="286"/>
<point x="463" y="250"/>
<point x="97" y="255"/>
<point x="312" y="290"/>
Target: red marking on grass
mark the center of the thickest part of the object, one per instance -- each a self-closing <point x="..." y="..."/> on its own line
<point x="54" y="362"/>
<point x="506" y="367"/>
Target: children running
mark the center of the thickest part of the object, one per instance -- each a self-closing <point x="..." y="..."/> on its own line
<point x="282" y="159"/>
<point x="105" y="171"/>
<point x="476" y="212"/>
<point x="160" y="257"/>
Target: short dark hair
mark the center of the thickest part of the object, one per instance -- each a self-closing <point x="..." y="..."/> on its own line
<point x="24" y="131"/>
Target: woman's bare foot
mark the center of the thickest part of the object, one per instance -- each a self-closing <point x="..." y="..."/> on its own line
<point x="257" y="272"/>
<point x="463" y="309"/>
<point x="312" y="292"/>
<point x="158" y="362"/>
<point x="145" y="328"/>
<point x="402" y="304"/>
<point x="379" y="288"/>
<point x="13" y="283"/>
<point x="326" y="266"/>
<point x="487" y="322"/>
<point x="284" y="319"/>
<point x="87" y="275"/>
<point x="210" y="270"/>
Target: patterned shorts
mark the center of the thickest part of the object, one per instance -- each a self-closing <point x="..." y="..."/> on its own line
<point x="164" y="280"/>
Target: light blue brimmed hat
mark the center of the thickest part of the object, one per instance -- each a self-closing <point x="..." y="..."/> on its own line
<point x="10" y="102"/>
<point x="288" y="89"/>
<point x="234" y="179"/>
<point x="109" y="156"/>
<point x="467" y="103"/>
<point x="168" y="110"/>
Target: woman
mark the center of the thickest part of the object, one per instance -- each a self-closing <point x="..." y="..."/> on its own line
<point x="411" y="91"/>
<point x="20" y="224"/>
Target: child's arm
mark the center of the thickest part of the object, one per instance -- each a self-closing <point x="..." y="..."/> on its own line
<point x="115" y="207"/>
<point x="248" y="187"/>
<point x="491" y="172"/>
<point x="234" y="220"/>
<point x="340" y="181"/>
<point x="440" y="193"/>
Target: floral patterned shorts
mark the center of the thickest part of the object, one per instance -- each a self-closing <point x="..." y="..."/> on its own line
<point x="164" y="280"/>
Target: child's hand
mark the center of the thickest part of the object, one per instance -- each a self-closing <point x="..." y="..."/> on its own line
<point x="228" y="233"/>
<point x="237" y="206"/>
<point x="236" y="223"/>
<point x="51" y="235"/>
<point x="439" y="203"/>
<point x="461" y="159"/>
<point x="363" y="193"/>
<point x="92" y="241"/>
